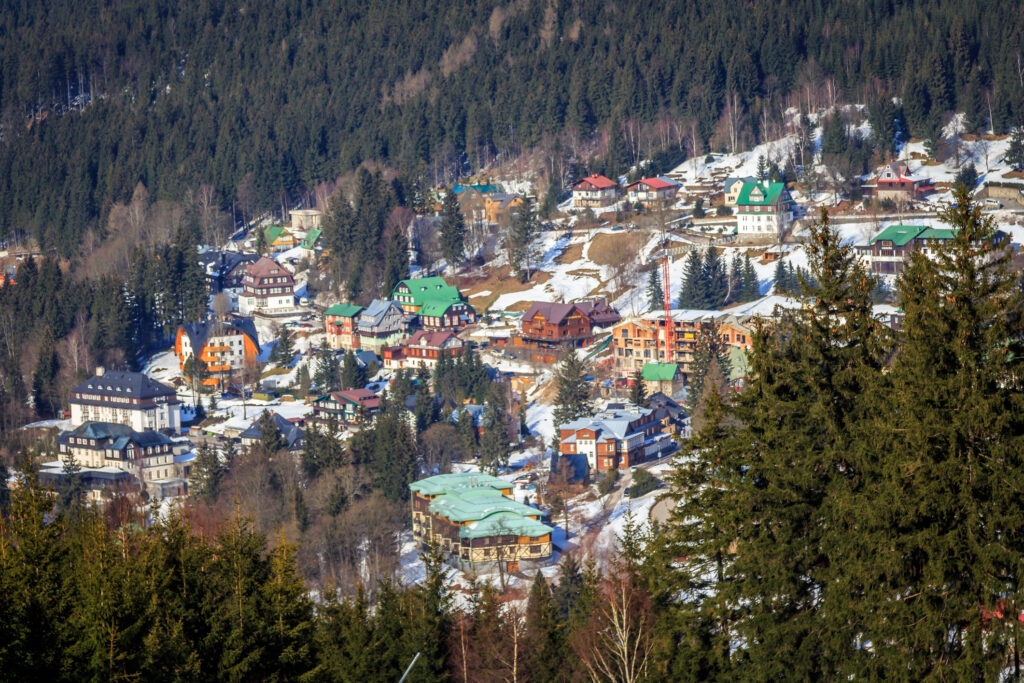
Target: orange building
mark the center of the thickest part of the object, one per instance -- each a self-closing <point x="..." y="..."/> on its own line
<point x="226" y="347"/>
<point x="638" y="341"/>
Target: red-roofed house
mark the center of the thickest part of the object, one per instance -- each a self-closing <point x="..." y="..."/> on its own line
<point x="348" y="407"/>
<point x="652" y="193"/>
<point x="423" y="349"/>
<point x="595" y="190"/>
<point x="896" y="182"/>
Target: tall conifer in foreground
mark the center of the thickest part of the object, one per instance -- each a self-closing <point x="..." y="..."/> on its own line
<point x="951" y="503"/>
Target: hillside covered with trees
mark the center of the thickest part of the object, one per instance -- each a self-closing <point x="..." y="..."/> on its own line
<point x="261" y="104"/>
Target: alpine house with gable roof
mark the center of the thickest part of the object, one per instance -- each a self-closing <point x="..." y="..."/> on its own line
<point x="594" y="191"/>
<point x="887" y="251"/>
<point x="423" y="350"/>
<point x="473" y="519"/>
<point x="651" y="193"/>
<point x="763" y="209"/>
<point x="438" y="304"/>
<point x="267" y="286"/>
<point x="340" y="325"/>
<point x="614" y="438"/>
<point x="128" y="398"/>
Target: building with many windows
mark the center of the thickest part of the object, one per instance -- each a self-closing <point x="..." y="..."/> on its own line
<point x="423" y="350"/>
<point x="226" y="347"/>
<point x="763" y="210"/>
<point x="267" y="287"/>
<point x="614" y="438"/>
<point x="128" y="398"/>
<point x="886" y="253"/>
<point x="594" y="191"/>
<point x="438" y="304"/>
<point x="340" y="326"/>
<point x="474" y="520"/>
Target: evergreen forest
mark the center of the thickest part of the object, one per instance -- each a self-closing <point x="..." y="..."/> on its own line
<point x="261" y="104"/>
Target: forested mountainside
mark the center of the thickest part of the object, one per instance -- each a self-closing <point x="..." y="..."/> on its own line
<point x="265" y="100"/>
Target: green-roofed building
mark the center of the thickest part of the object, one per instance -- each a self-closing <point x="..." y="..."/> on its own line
<point x="885" y="253"/>
<point x="308" y="243"/>
<point x="340" y="325"/>
<point x="278" y="238"/>
<point x="474" y="520"/>
<point x="664" y="377"/>
<point x="763" y="210"/>
<point x="440" y="306"/>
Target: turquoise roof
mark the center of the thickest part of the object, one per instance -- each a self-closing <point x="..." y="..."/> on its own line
<point x="481" y="188"/>
<point x="311" y="237"/>
<point x="937" y="234"/>
<point x="898" y="234"/>
<point x="771" y="193"/>
<point x="505" y="524"/>
<point x="470" y="505"/>
<point x="447" y="483"/>
<point x="344" y="310"/>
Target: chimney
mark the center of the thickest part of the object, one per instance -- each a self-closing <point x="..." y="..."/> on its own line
<point x="99" y="370"/>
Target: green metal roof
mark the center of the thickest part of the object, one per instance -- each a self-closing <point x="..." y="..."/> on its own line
<point x="898" y="234"/>
<point x="481" y="188"/>
<point x="937" y="234"/>
<point x="429" y="289"/>
<point x="470" y="505"/>
<point x="739" y="366"/>
<point x="437" y="308"/>
<point x="311" y="237"/>
<point x="505" y="524"/>
<point x="659" y="372"/>
<point x="272" y="232"/>
<point x="344" y="310"/>
<point x="446" y="483"/>
<point x="771" y="193"/>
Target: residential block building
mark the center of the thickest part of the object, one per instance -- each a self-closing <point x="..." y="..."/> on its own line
<point x="763" y="210"/>
<point x="340" y="326"/>
<point x="127" y="398"/>
<point x="438" y="304"/>
<point x="474" y="520"/>
<point x="594" y="191"/>
<point x="886" y="253"/>
<point x="614" y="438"/>
<point x="639" y="341"/>
<point x="227" y="347"/>
<point x="423" y="350"/>
<point x="651" y="193"/>
<point x="267" y="287"/>
<point x="148" y="455"/>
<point x="348" y="407"/>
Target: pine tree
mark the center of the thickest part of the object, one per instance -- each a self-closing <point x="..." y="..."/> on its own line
<point x="494" y="446"/>
<point x="44" y="379"/>
<point x="545" y="640"/>
<point x="289" y="614"/>
<point x="954" y="534"/>
<point x="283" y="353"/>
<point x="525" y="227"/>
<point x="762" y="168"/>
<point x="655" y="295"/>
<point x="1015" y="152"/>
<point x="710" y="350"/>
<point x="453" y="231"/>
<point x="572" y="400"/>
<point x="690" y="293"/>
<point x="327" y="376"/>
<point x="750" y="285"/>
<point x="261" y="241"/>
<point x="271" y="440"/>
<point x="207" y="473"/>
<point x="714" y="286"/>
<point x="638" y="392"/>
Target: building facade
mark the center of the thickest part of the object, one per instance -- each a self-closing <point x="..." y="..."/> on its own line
<point x="381" y="324"/>
<point x="340" y="326"/>
<point x="614" y="438"/>
<point x="473" y="519"/>
<point x="651" y="193"/>
<point x="127" y="398"/>
<point x="438" y="304"/>
<point x="886" y="253"/>
<point x="267" y="287"/>
<point x="226" y="347"/>
<point x="148" y="455"/>
<point x="348" y="407"/>
<point x="594" y="191"/>
<point x="555" y="324"/>
<point x="763" y="210"/>
<point x="639" y="341"/>
<point x="895" y="182"/>
<point x="423" y="350"/>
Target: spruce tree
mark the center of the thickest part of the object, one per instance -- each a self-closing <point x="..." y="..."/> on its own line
<point x="525" y="227"/>
<point x="710" y="350"/>
<point x="327" y="376"/>
<point x="453" y="231"/>
<point x="545" y="641"/>
<point x="44" y="379"/>
<point x="572" y="400"/>
<point x="283" y="353"/>
<point x="494" y="446"/>
<point x="638" y="392"/>
<point x="655" y="294"/>
<point x="952" y="533"/>
<point x="690" y="293"/>
<point x="714" y="286"/>
<point x="396" y="260"/>
<point x="750" y="285"/>
<point x="1015" y="152"/>
<point x="207" y="473"/>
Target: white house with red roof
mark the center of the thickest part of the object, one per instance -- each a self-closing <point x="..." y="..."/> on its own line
<point x="651" y="193"/>
<point x="423" y="349"/>
<point x="593" y="191"/>
<point x="895" y="182"/>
